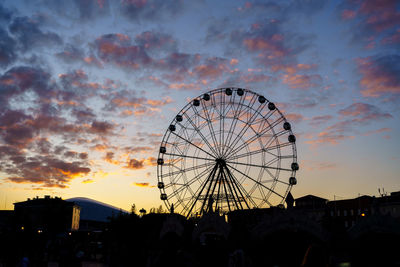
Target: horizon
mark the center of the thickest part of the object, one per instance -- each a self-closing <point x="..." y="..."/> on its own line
<point x="88" y="90"/>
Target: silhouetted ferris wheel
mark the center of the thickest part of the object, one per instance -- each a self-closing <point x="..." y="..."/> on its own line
<point x="227" y="149"/>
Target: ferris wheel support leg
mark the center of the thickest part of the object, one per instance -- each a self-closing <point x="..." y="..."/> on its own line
<point x="208" y="195"/>
<point x="237" y="189"/>
<point x="233" y="193"/>
<point x="198" y="195"/>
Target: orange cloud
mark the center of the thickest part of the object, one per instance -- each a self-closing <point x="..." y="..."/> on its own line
<point x="143" y="185"/>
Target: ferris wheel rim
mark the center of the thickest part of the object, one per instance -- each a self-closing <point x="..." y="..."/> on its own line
<point x="213" y="156"/>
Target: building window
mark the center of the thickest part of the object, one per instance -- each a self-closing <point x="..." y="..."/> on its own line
<point x="345" y="213"/>
<point x="359" y="212"/>
<point x="346" y="224"/>
<point x="351" y="212"/>
<point x="338" y="213"/>
<point x="332" y="213"/>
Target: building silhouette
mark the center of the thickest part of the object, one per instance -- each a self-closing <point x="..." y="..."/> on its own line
<point x="46" y="215"/>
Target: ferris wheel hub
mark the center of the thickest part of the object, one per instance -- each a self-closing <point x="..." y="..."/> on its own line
<point x="221" y="162"/>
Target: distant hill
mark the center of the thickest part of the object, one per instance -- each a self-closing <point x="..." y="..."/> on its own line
<point x="95" y="210"/>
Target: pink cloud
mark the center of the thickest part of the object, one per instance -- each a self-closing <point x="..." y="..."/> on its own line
<point x="294" y="117"/>
<point x="381" y="14"/>
<point x="316" y="120"/>
<point x="379" y="75"/>
<point x="301" y="81"/>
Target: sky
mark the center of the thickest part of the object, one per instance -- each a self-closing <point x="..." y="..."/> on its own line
<point x="89" y="87"/>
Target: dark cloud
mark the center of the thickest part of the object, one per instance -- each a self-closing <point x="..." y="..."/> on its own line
<point x="79" y="10"/>
<point x="43" y="146"/>
<point x="21" y="79"/>
<point x="135" y="164"/>
<point x="5" y="13"/>
<point x="119" y="50"/>
<point x="7" y="48"/>
<point x="152" y="40"/>
<point x="46" y="171"/>
<point x="102" y="127"/>
<point x="137" y="10"/>
<point x="70" y="154"/>
<point x="29" y="35"/>
<point x="71" y="54"/>
<point x="83" y="114"/>
<point x="83" y="155"/>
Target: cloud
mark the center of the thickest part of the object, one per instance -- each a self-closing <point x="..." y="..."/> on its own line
<point x="5" y="13"/>
<point x="363" y="112"/>
<point x="71" y="54"/>
<point x="118" y="50"/>
<point x="152" y="40"/>
<point x="270" y="43"/>
<point x="46" y="171"/>
<point x="79" y="10"/>
<point x="370" y="20"/>
<point x="7" y="48"/>
<point x="302" y="81"/>
<point x="212" y="68"/>
<point x="147" y="185"/>
<point x="294" y="117"/>
<point x="135" y="164"/>
<point x="352" y="118"/>
<point x="29" y="35"/>
<point x="380" y="76"/>
<point x="151" y="9"/>
<point x="328" y="138"/>
<point x="102" y="127"/>
<point x="20" y="79"/>
<point x="312" y="165"/>
<point x="381" y="130"/>
<point x="317" y="120"/>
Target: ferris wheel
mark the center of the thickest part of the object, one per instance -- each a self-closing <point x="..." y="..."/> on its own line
<point x="226" y="150"/>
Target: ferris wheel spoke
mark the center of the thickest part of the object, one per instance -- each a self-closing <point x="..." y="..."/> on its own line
<point x="191" y="181"/>
<point x="200" y="134"/>
<point x="256" y="136"/>
<point x="259" y="166"/>
<point x="233" y="192"/>
<point x="241" y="189"/>
<point x="276" y="180"/>
<point x="210" y="127"/>
<point x="193" y="144"/>
<point x="187" y="156"/>
<point x="270" y="174"/>
<point x="257" y="182"/>
<point x="244" y="129"/>
<point x="234" y="121"/>
<point x="200" y="190"/>
<point x="249" y="107"/>
<point x="186" y="170"/>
